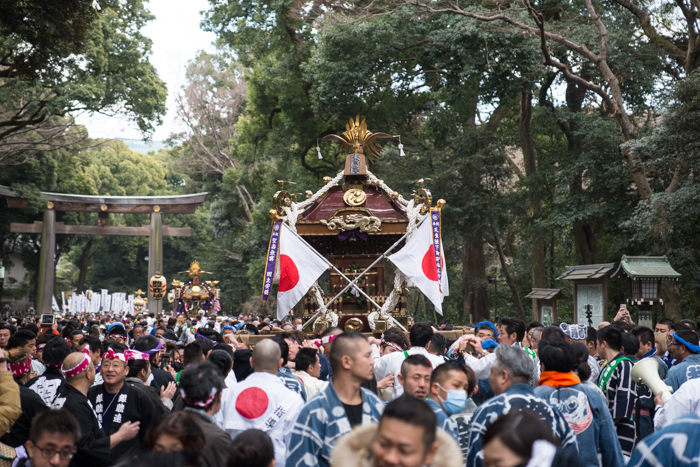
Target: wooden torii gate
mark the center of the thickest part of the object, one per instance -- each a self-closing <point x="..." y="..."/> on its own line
<point x="156" y="206"/>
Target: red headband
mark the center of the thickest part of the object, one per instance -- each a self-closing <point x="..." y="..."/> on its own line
<point x="21" y="368"/>
<point x="112" y="355"/>
<point x="203" y="404"/>
<point x="78" y="369"/>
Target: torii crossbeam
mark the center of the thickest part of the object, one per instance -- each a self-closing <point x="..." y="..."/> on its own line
<point x="103" y="205"/>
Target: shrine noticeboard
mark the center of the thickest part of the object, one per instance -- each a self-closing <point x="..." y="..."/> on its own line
<point x="590" y="294"/>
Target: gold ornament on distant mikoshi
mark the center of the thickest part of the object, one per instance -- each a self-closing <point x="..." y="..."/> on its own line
<point x="358" y="139"/>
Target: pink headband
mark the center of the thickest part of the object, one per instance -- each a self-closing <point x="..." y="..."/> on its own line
<point x="112" y="355"/>
<point x="21" y="368"/>
<point x="203" y="404"/>
<point x="391" y="344"/>
<point x="326" y="340"/>
<point x="78" y="369"/>
<point x="134" y="355"/>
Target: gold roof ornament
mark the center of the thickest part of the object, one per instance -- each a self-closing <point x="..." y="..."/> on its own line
<point x="358" y="139"/>
<point x="195" y="270"/>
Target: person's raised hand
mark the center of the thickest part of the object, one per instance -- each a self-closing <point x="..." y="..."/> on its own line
<point x="167" y="392"/>
<point x="387" y="382"/>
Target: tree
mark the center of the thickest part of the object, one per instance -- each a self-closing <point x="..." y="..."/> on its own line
<point x="101" y="65"/>
<point x="210" y="105"/>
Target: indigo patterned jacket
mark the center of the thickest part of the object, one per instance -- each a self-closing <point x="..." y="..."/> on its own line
<point x="321" y="422"/>
<point x="590" y="419"/>
<point x="291" y="381"/>
<point x="675" y="445"/>
<point x="518" y="397"/>
<point x="683" y="371"/>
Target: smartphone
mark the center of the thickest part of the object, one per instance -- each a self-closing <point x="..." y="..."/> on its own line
<point x="623" y="307"/>
<point x="471" y="350"/>
<point x="47" y="320"/>
<point x="164" y="361"/>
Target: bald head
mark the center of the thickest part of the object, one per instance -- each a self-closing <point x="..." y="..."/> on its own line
<point x="266" y="356"/>
<point x="73" y="360"/>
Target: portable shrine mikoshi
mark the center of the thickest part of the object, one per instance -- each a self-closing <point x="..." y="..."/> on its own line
<point x="353" y="222"/>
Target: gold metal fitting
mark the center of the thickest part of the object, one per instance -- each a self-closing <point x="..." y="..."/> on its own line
<point x="156" y="208"/>
<point x="327" y="180"/>
<point x="309" y="194"/>
<point x="273" y="215"/>
<point x="49" y="205"/>
<point x="441" y="203"/>
<point x="103" y="207"/>
<point x="395" y="195"/>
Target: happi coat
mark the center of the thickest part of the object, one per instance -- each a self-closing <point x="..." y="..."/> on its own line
<point x="683" y="371"/>
<point x="621" y="391"/>
<point x="93" y="445"/>
<point x="683" y="402"/>
<point x="131" y="404"/>
<point x="673" y="446"/>
<point x="262" y="402"/>
<point x="443" y="420"/>
<point x="47" y="384"/>
<point x="518" y="396"/>
<point x="590" y="419"/>
<point x="291" y="381"/>
<point x="321" y="422"/>
<point x="390" y="364"/>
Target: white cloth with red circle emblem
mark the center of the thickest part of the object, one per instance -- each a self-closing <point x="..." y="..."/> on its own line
<point x="262" y="402"/>
<point x="299" y="267"/>
<point x="417" y="261"/>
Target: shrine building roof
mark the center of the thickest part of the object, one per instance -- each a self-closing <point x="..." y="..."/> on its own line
<point x="645" y="267"/>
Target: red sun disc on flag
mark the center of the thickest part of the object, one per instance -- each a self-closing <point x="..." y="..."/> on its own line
<point x="428" y="264"/>
<point x="289" y="274"/>
<point x="252" y="403"/>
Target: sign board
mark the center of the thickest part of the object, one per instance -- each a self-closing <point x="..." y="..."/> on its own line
<point x="590" y="294"/>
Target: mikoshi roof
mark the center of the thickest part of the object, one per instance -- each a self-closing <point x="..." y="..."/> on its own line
<point x="546" y="294"/>
<point x="645" y="267"/>
<point x="586" y="271"/>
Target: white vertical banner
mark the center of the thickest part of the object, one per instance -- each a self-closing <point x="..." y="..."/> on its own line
<point x="63" y="300"/>
<point x="104" y="293"/>
<point x="96" y="302"/>
<point x="107" y="302"/>
<point x="131" y="304"/>
<point x="54" y="304"/>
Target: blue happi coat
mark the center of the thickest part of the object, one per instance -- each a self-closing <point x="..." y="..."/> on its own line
<point x="321" y="422"/>
<point x="291" y="381"/>
<point x="676" y="445"/>
<point x="683" y="371"/>
<point x="518" y="396"/>
<point x="443" y="420"/>
<point x="589" y="417"/>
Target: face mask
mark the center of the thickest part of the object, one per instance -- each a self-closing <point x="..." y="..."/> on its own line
<point x="456" y="400"/>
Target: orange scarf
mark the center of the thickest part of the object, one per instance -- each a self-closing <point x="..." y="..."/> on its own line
<point x="558" y="380"/>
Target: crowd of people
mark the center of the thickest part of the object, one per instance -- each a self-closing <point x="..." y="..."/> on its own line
<point x="97" y="390"/>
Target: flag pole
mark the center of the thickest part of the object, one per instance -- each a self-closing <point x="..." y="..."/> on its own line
<point x="353" y="282"/>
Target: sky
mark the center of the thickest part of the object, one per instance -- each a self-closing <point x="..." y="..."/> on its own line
<point x="177" y="38"/>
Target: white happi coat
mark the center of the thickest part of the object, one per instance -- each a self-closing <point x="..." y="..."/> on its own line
<point x="684" y="402"/>
<point x="391" y="365"/>
<point x="264" y="403"/>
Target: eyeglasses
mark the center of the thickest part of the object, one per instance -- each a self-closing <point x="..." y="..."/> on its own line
<point x="48" y="453"/>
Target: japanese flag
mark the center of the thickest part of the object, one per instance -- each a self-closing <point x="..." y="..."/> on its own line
<point x="300" y="266"/>
<point x="417" y="261"/>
